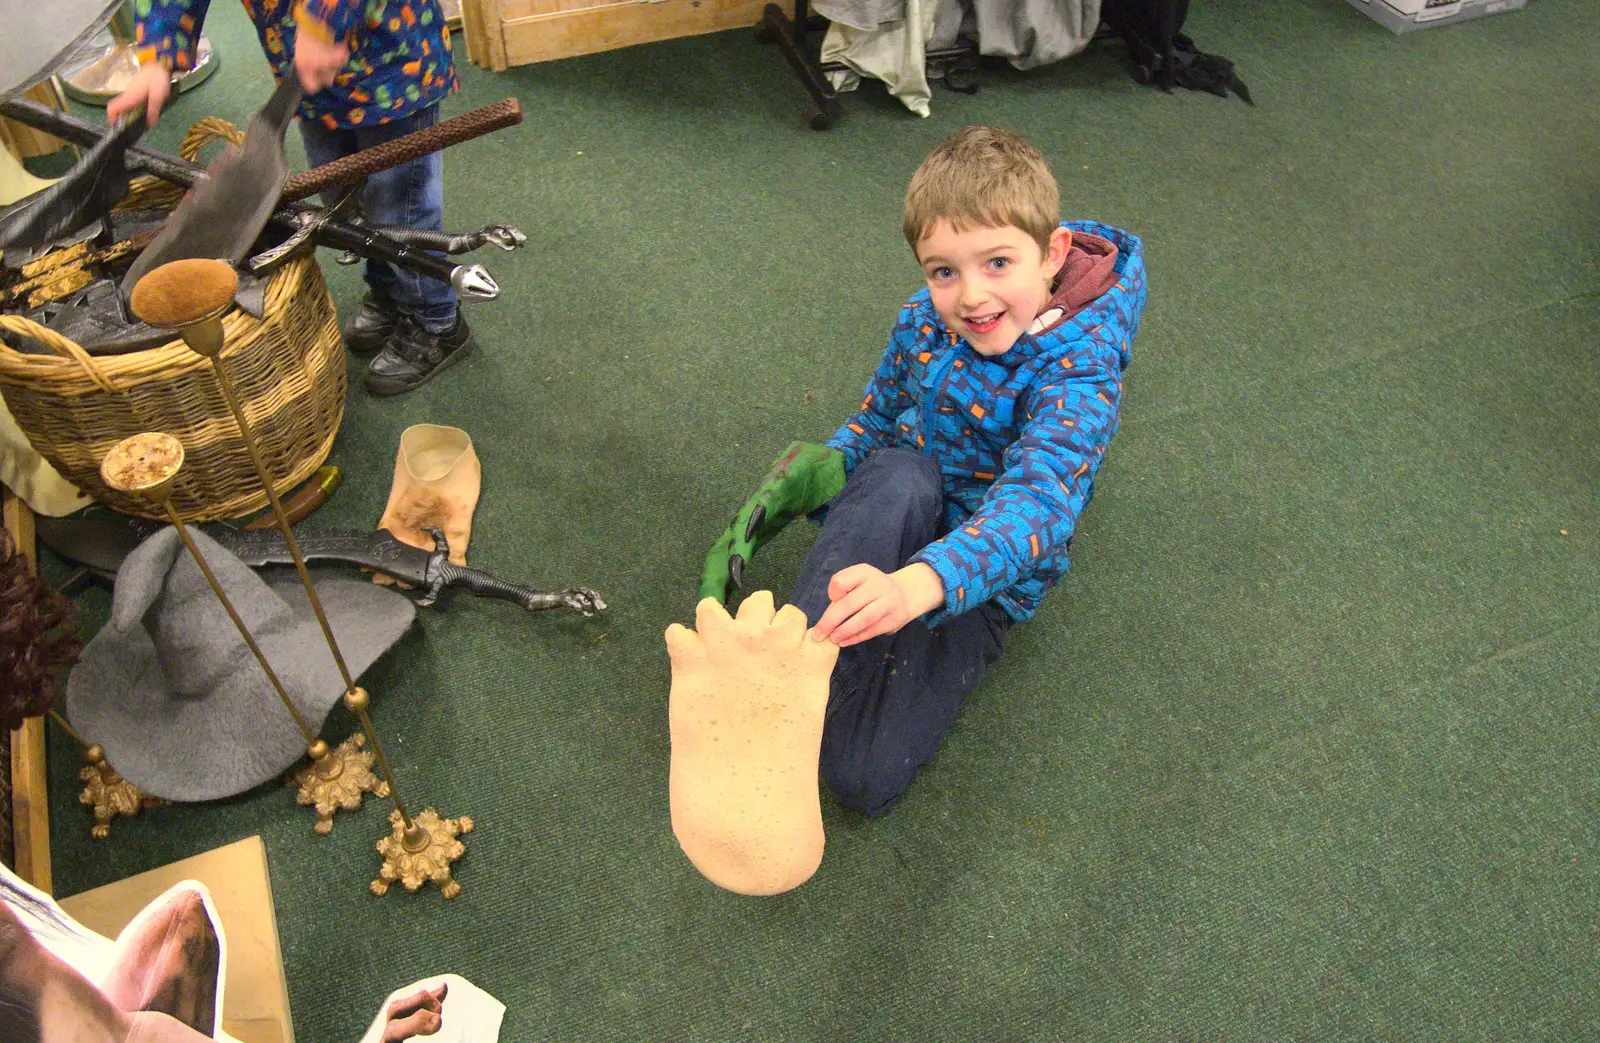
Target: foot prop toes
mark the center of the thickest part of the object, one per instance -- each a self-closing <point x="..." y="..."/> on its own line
<point x="746" y="721"/>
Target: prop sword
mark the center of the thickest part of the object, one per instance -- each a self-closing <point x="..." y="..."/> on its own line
<point x="344" y="171"/>
<point x="89" y="191"/>
<point x="101" y="544"/>
<point x="472" y="281"/>
<point x="222" y="215"/>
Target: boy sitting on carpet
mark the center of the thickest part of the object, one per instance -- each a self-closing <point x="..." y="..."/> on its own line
<point x="948" y="502"/>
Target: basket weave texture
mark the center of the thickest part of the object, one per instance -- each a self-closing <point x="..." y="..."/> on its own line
<point x="288" y="370"/>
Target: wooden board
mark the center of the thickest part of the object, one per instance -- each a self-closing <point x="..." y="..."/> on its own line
<point x="255" y="1002"/>
<point x="480" y="25"/>
<point x="30" y="786"/>
<point x="521" y="32"/>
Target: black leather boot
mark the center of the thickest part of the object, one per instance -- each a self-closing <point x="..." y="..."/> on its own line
<point x="371" y="327"/>
<point x="414" y="356"/>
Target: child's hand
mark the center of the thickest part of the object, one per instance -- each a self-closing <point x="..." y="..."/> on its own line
<point x="317" y="61"/>
<point x="149" y="88"/>
<point x="868" y="602"/>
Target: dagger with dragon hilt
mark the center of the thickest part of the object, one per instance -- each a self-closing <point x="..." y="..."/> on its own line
<point x="100" y="544"/>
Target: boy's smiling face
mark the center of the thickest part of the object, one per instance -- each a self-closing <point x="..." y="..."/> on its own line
<point x="989" y="284"/>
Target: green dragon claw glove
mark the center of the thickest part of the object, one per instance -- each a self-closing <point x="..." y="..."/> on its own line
<point x="804" y="478"/>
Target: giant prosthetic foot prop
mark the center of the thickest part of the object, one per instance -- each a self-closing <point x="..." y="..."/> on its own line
<point x="437" y="479"/>
<point x="748" y="699"/>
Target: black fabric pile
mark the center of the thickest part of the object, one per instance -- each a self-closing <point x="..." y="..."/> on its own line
<point x="1164" y="56"/>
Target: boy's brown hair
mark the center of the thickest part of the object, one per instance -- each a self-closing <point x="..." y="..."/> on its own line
<point x="983" y="177"/>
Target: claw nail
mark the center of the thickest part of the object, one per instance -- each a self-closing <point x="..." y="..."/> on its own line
<point x="758" y="517"/>
<point x="736" y="570"/>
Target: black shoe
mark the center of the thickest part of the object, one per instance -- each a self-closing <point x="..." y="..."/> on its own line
<point x="371" y="327"/>
<point x="414" y="356"/>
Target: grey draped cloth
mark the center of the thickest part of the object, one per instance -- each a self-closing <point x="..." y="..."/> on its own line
<point x="889" y="39"/>
<point x="1031" y="33"/>
<point x="40" y="36"/>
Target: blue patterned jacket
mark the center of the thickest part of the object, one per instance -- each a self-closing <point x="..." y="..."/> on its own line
<point x="1018" y="437"/>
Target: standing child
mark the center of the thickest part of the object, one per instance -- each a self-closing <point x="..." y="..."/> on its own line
<point x="948" y="502"/>
<point x="372" y="70"/>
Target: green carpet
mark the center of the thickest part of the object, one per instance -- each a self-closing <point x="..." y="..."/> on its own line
<point x="1302" y="748"/>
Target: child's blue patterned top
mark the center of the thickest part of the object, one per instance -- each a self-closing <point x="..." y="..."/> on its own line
<point x="1018" y="436"/>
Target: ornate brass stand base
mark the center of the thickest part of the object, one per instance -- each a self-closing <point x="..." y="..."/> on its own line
<point x="109" y="795"/>
<point x="423" y="855"/>
<point x="337" y="781"/>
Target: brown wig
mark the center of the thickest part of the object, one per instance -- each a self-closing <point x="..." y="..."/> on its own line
<point x="38" y="638"/>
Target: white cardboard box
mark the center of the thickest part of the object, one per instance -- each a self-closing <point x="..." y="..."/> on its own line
<point x="1403" y="16"/>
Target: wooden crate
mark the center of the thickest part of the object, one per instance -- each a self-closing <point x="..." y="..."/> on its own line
<point x="503" y="33"/>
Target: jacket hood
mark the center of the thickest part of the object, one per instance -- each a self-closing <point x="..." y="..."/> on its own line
<point x="1110" y="320"/>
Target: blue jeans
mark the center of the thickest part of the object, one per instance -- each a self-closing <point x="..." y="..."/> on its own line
<point x="891" y="699"/>
<point x="410" y="194"/>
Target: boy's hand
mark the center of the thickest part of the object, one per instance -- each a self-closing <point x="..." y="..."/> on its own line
<point x="317" y="61"/>
<point x="148" y="90"/>
<point x="804" y="478"/>
<point x="419" y="1014"/>
<point x="868" y="602"/>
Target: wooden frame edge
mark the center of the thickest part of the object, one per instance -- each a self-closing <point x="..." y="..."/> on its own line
<point x="30" y="784"/>
<point x="626" y="23"/>
<point x="481" y="27"/>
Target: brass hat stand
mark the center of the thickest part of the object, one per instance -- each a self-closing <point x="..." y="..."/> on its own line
<point x="105" y="793"/>
<point x="190" y="297"/>
<point x="145" y="466"/>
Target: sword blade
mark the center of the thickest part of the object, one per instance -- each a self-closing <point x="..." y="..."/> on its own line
<point x="373" y="550"/>
<point x="103" y="543"/>
<point x="221" y="217"/>
<point x="99" y="544"/>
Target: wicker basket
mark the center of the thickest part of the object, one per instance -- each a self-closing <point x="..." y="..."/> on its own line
<point x="288" y="369"/>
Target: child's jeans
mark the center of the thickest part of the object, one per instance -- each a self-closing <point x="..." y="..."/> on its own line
<point x="892" y="698"/>
<point x="409" y="194"/>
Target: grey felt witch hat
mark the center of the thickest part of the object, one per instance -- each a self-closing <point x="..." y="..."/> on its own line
<point x="175" y="697"/>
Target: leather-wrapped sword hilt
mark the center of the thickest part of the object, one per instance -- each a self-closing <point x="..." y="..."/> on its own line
<point x="357" y="165"/>
<point x="435" y="578"/>
<point x="442" y="572"/>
